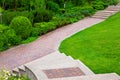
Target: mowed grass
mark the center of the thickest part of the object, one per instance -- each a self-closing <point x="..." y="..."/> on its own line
<point x="98" y="47"/>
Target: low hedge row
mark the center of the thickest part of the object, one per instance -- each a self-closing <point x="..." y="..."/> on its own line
<point x="7" y="37"/>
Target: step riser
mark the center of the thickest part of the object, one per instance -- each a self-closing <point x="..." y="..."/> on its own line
<point x="30" y="74"/>
<point x="101" y="15"/>
<point x="22" y="72"/>
<point x="16" y="73"/>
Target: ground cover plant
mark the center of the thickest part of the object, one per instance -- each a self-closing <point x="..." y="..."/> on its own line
<point x="98" y="46"/>
<point x="8" y="75"/>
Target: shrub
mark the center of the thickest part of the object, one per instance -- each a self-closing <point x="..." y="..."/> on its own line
<point x="69" y="5"/>
<point x="44" y="27"/>
<point x="87" y="11"/>
<point x="7" y="75"/>
<point x="7" y="37"/>
<point x="1" y="10"/>
<point x="28" y="40"/>
<point x="7" y="16"/>
<point x="52" y="6"/>
<point x="22" y="26"/>
<point x="35" y="32"/>
<point x="60" y="21"/>
<point x="98" y="5"/>
<point x="3" y="38"/>
<point x="111" y="2"/>
<point x="42" y="15"/>
<point x="3" y="42"/>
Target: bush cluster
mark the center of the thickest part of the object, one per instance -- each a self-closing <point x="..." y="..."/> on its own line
<point x="7" y="37"/>
<point x="22" y="26"/>
<point x="7" y="16"/>
<point x="42" y="15"/>
<point x="7" y="75"/>
<point x="19" y="29"/>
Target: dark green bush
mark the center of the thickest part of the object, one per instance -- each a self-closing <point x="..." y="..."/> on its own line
<point x="111" y="2"/>
<point x="7" y="16"/>
<point x="42" y="15"/>
<point x="98" y="5"/>
<point x="68" y="5"/>
<point x="52" y="6"/>
<point x="87" y="11"/>
<point x="22" y="26"/>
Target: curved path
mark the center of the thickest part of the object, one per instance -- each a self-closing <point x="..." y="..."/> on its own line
<point x="44" y="45"/>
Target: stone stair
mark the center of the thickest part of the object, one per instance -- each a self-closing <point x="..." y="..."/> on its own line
<point x="111" y="76"/>
<point x="107" y="12"/>
<point x="58" y="66"/>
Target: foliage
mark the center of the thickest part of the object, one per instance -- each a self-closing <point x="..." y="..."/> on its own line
<point x="7" y="16"/>
<point x="52" y="6"/>
<point x="42" y="15"/>
<point x="28" y="40"/>
<point x="7" y="75"/>
<point x="4" y="75"/>
<point x="78" y="2"/>
<point x="111" y="2"/>
<point x="60" y="21"/>
<point x="98" y="5"/>
<point x="1" y="10"/>
<point x="87" y="10"/>
<point x="97" y="46"/>
<point x="7" y="37"/>
<point x="22" y="26"/>
<point x="44" y="27"/>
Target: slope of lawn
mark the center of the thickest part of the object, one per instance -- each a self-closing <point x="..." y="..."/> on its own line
<point x="98" y="46"/>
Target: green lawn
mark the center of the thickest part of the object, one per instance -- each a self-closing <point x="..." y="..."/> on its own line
<point x="98" y="46"/>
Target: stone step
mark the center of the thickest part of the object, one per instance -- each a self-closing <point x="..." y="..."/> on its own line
<point x="22" y="70"/>
<point x="53" y="61"/>
<point x="16" y="71"/>
<point x="49" y="59"/>
<point x="118" y="4"/>
<point x="103" y="14"/>
<point x="38" y="74"/>
<point x="113" y="8"/>
<point x="106" y="12"/>
<point x="99" y="17"/>
<point x="110" y="76"/>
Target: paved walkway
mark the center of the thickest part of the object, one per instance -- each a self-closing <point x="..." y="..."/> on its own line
<point x="44" y="45"/>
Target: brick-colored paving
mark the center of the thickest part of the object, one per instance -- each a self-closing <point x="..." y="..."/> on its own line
<point x="44" y="45"/>
<point x="65" y="72"/>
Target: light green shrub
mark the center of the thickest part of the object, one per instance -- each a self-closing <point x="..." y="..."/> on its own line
<point x="8" y="75"/>
<point x="22" y="26"/>
<point x="44" y="27"/>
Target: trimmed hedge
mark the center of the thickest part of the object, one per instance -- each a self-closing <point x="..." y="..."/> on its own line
<point x="7" y="37"/>
<point x="44" y="27"/>
<point x="22" y="26"/>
